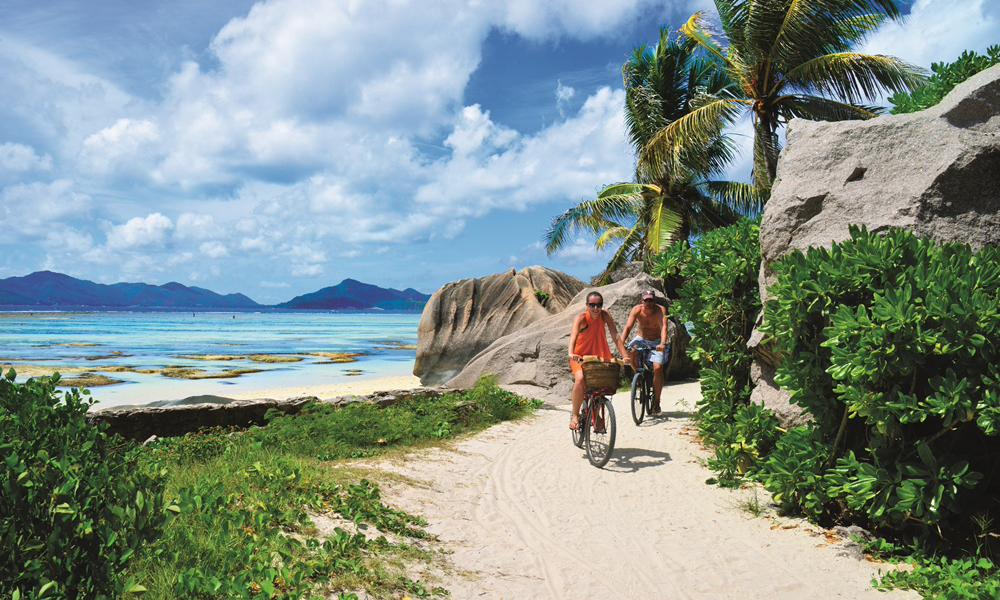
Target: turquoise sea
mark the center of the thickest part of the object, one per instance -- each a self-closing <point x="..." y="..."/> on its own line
<point x="96" y="340"/>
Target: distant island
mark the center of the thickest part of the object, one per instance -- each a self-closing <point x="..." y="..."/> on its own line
<point x="45" y="289"/>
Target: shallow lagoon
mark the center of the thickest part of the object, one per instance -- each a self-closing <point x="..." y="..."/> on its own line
<point x="103" y="341"/>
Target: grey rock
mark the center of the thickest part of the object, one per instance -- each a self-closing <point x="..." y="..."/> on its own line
<point x="463" y="317"/>
<point x="935" y="172"/>
<point x="534" y="361"/>
<point x="626" y="271"/>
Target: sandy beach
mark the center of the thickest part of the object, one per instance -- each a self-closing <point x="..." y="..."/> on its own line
<point x="522" y="514"/>
<point x="359" y="387"/>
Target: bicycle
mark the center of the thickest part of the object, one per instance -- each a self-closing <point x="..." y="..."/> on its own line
<point x="597" y="416"/>
<point x="642" y="381"/>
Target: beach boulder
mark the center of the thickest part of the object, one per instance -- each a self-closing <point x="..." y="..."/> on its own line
<point x="935" y="172"/>
<point x="534" y="361"/>
<point x="463" y="317"/>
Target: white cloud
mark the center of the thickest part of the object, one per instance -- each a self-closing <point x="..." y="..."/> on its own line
<point x="17" y="158"/>
<point x="928" y="34"/>
<point x="213" y="249"/>
<point x="32" y="210"/>
<point x="151" y="230"/>
<point x="128" y="145"/>
<point x="192" y="226"/>
<point x="275" y="285"/>
<point x="564" y="94"/>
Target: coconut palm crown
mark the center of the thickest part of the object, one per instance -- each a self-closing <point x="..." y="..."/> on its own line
<point x="673" y="194"/>
<point x="787" y="58"/>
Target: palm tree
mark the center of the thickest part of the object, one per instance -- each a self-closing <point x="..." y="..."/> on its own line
<point x="787" y="58"/>
<point x="672" y="195"/>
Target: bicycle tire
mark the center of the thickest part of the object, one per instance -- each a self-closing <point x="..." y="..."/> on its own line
<point x="578" y="433"/>
<point x="601" y="440"/>
<point x="638" y="397"/>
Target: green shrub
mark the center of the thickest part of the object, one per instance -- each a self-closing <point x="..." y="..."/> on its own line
<point x="74" y="508"/>
<point x="946" y="76"/>
<point x="892" y="343"/>
<point x="720" y="300"/>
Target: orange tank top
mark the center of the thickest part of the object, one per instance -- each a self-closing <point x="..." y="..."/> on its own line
<point x="592" y="340"/>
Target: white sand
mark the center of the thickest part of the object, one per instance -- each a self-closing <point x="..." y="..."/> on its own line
<point x="354" y="387"/>
<point x="527" y="516"/>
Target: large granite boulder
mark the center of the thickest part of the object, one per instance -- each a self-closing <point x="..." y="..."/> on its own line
<point x="464" y="317"/>
<point x="934" y="172"/>
<point x="534" y="361"/>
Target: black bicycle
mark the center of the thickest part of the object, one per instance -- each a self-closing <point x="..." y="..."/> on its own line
<point x="596" y="428"/>
<point x="642" y="381"/>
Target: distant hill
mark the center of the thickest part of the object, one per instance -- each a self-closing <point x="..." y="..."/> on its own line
<point x="45" y="288"/>
<point x="351" y="293"/>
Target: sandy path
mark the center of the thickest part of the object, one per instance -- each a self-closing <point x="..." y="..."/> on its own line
<point x="519" y="506"/>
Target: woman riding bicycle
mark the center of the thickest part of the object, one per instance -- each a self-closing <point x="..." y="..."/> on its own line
<point x="588" y="338"/>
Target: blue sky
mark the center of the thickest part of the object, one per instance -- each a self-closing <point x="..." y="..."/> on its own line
<point x="278" y="147"/>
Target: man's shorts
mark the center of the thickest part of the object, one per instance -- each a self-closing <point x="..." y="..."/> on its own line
<point x="655" y="356"/>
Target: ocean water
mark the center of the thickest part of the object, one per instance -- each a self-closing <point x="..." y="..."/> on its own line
<point x="156" y="339"/>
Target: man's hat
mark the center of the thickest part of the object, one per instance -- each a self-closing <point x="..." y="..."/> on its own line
<point x="648" y="293"/>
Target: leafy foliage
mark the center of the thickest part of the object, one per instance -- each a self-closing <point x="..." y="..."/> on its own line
<point x="890" y="342"/>
<point x="720" y="298"/>
<point x="946" y="76"/>
<point x="74" y="508"/>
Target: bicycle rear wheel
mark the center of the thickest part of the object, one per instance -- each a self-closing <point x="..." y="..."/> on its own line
<point x="601" y="432"/>
<point x="579" y="432"/>
<point x="639" y="398"/>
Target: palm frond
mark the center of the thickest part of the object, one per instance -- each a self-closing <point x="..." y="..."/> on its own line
<point x="820" y="108"/>
<point x="854" y="76"/>
<point x="748" y="199"/>
<point x="697" y="127"/>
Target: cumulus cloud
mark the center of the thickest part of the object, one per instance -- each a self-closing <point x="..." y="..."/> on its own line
<point x="151" y="230"/>
<point x="927" y="35"/>
<point x="32" y="210"/>
<point x="213" y="249"/>
<point x="19" y="158"/>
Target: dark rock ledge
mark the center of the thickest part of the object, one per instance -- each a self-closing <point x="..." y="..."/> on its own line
<point x="172" y="421"/>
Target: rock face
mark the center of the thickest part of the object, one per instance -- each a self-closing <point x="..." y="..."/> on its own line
<point x="533" y="361"/>
<point x="464" y="317"/>
<point x="935" y="172"/>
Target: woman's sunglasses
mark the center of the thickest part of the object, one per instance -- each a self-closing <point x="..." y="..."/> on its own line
<point x="595" y="304"/>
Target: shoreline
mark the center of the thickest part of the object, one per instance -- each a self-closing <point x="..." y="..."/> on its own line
<point x="323" y="391"/>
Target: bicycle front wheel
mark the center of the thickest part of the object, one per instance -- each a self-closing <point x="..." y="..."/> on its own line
<point x="638" y="397"/>
<point x="601" y="432"/>
<point x="579" y="432"/>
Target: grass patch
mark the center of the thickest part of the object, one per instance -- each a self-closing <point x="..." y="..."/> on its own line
<point x="263" y="513"/>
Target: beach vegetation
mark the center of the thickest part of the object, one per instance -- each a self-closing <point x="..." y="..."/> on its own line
<point x="721" y="301"/>
<point x="946" y="76"/>
<point x="888" y="343"/>
<point x="673" y="194"/>
<point x="784" y="60"/>
<point x="266" y="512"/>
<point x="76" y="504"/>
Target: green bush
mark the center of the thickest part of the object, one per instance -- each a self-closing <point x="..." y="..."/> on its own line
<point x="892" y="343"/>
<point x="946" y="76"/>
<point x="74" y="509"/>
<point x="720" y="300"/>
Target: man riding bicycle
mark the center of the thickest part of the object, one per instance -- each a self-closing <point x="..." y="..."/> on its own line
<point x="652" y="333"/>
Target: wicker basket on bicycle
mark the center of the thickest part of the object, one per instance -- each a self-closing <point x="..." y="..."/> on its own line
<point x="601" y="376"/>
